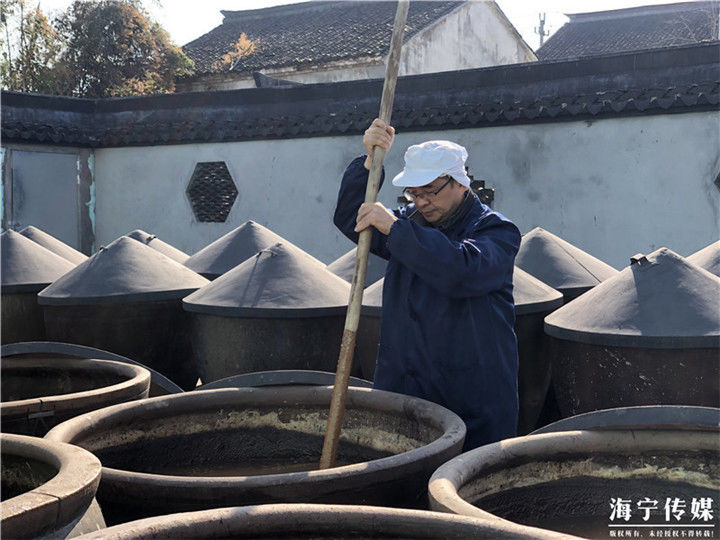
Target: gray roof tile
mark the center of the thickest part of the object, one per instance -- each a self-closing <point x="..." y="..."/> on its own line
<point x="639" y="28"/>
<point x="310" y="33"/>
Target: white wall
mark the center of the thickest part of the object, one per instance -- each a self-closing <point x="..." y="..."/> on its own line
<point x="472" y="36"/>
<point x="613" y="187"/>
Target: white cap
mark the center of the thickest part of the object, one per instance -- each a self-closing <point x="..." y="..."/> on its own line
<point x="427" y="161"/>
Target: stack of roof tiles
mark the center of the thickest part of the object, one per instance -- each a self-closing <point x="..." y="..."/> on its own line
<point x="310" y="33"/>
<point x="638" y="28"/>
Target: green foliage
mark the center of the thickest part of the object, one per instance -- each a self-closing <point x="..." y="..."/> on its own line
<point x="96" y="48"/>
<point x="26" y="64"/>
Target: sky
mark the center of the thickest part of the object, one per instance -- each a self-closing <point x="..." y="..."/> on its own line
<point x="186" y="20"/>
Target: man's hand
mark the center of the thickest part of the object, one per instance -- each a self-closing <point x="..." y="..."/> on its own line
<point x="378" y="134"/>
<point x="375" y="215"/>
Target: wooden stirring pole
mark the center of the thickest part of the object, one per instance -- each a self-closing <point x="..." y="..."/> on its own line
<point x="347" y="347"/>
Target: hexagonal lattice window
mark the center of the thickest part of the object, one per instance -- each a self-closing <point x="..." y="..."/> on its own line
<point x="211" y="191"/>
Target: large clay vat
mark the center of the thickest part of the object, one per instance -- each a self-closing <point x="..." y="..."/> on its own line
<point x="559" y="264"/>
<point x="648" y="336"/>
<point x="27" y="268"/>
<point x="569" y="481"/>
<point x="154" y="242"/>
<point x="159" y="384"/>
<point x="707" y="258"/>
<point x="281" y="377"/>
<point x="39" y="393"/>
<point x="53" y="244"/>
<point x="126" y="299"/>
<point x="641" y="417"/>
<point x="318" y="521"/>
<point x="235" y="447"/>
<point x="229" y="250"/>
<point x="47" y="489"/>
<point x="281" y="309"/>
<point x="344" y="267"/>
<point x="533" y="301"/>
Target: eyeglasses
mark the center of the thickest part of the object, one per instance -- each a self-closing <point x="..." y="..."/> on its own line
<point x="424" y="195"/>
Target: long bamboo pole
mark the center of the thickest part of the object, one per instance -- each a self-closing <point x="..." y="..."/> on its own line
<point x="347" y="346"/>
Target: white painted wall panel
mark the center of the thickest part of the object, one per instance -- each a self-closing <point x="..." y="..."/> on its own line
<point x="613" y="187"/>
<point x="472" y="36"/>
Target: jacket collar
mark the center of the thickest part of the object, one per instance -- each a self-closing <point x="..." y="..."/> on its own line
<point x="461" y="211"/>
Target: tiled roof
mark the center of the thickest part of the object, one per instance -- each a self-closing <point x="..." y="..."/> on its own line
<point x="632" y="29"/>
<point x="676" y="80"/>
<point x="311" y="33"/>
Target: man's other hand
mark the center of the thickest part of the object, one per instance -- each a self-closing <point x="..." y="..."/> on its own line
<point x="375" y="215"/>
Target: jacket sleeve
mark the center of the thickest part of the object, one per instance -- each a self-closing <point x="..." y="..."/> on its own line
<point x="350" y="197"/>
<point x="475" y="266"/>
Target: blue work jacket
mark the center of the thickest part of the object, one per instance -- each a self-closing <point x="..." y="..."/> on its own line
<point x="448" y="314"/>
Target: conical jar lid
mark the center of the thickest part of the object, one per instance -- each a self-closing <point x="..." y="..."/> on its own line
<point x="532" y="295"/>
<point x="123" y="271"/>
<point x="708" y="258"/>
<point x="281" y="281"/>
<point x="229" y="250"/>
<point x="27" y="266"/>
<point x="372" y="299"/>
<point x="158" y="245"/>
<point x="559" y="264"/>
<point x="345" y="267"/>
<point x="659" y="301"/>
<point x="53" y="244"/>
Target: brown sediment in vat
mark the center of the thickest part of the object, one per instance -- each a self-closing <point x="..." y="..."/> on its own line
<point x="159" y="384"/>
<point x="22" y="474"/>
<point x="691" y="467"/>
<point x="52" y="380"/>
<point x="220" y="442"/>
<point x="565" y="481"/>
<point x="396" y="442"/>
<point x="39" y="393"/>
<point x="574" y="496"/>
<point x="48" y="489"/>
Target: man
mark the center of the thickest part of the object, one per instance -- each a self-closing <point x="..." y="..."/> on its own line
<point x="447" y="327"/>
